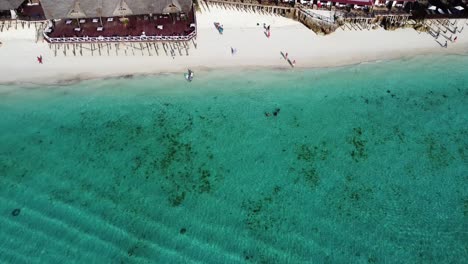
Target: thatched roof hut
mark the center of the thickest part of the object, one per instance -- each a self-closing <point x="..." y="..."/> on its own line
<point x="57" y="9"/>
<point x="10" y="4"/>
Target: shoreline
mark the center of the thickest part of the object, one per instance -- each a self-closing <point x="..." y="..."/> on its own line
<point x="213" y="51"/>
<point x="203" y="69"/>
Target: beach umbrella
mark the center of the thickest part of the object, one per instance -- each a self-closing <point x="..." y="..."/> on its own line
<point x="76" y="12"/>
<point x="122" y="9"/>
<point x="173" y="7"/>
<point x="432" y="8"/>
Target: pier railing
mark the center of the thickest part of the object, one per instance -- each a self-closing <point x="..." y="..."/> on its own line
<point x="279" y="5"/>
<point x="267" y="6"/>
<point x="86" y="39"/>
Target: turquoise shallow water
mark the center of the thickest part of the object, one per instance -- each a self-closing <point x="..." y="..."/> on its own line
<point x="362" y="164"/>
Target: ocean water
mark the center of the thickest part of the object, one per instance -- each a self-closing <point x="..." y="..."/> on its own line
<point x="360" y="164"/>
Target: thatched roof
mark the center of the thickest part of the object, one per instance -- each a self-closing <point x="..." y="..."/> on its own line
<point x="10" y="4"/>
<point x="76" y="11"/>
<point x="55" y="9"/>
<point x="122" y="9"/>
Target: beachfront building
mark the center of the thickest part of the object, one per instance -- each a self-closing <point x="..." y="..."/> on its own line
<point x="358" y="4"/>
<point x="351" y="4"/>
<point x="8" y="9"/>
<point x="324" y="4"/>
<point x="16" y="14"/>
<point x="392" y="4"/>
<point x="24" y="10"/>
<point x="90" y="21"/>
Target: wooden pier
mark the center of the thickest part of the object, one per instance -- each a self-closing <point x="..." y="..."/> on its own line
<point x="9" y="24"/>
<point x="172" y="49"/>
<point x="257" y="8"/>
<point x="318" y="23"/>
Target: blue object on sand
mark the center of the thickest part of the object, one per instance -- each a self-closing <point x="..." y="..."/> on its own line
<point x="219" y="27"/>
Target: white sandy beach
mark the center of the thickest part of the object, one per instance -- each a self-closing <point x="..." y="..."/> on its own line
<point x="19" y="50"/>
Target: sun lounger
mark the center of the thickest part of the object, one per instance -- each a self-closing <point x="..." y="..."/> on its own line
<point x="100" y="29"/>
<point x="68" y="22"/>
<point x="110" y="19"/>
<point x="82" y="21"/>
<point x="77" y="29"/>
<point x="95" y="20"/>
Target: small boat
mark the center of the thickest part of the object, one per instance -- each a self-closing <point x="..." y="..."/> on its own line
<point x="189" y="75"/>
<point x="219" y="27"/>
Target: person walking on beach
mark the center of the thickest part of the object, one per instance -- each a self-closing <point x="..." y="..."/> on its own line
<point x="455" y="39"/>
<point x="286" y="55"/>
<point x="39" y="59"/>
<point x="446" y="45"/>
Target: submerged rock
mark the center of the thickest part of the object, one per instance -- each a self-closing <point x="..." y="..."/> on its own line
<point x="16" y="212"/>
